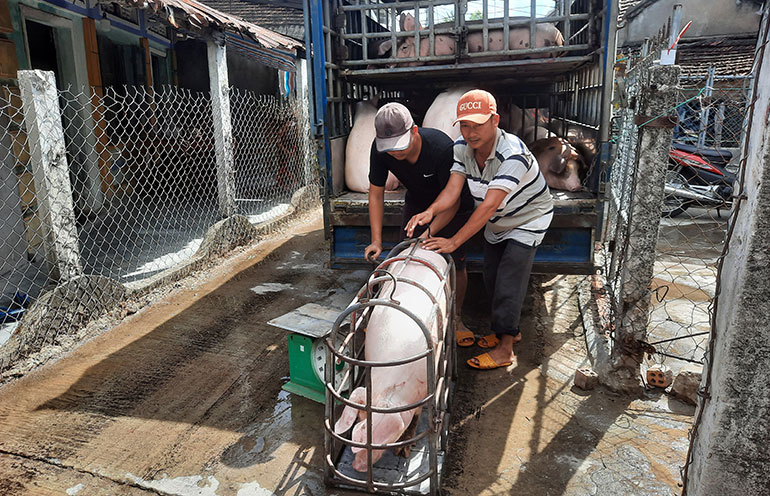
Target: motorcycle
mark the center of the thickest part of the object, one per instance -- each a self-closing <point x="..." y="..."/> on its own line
<point x="697" y="177"/>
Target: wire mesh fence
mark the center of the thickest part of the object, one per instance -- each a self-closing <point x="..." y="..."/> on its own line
<point x="127" y="193"/>
<point x="633" y="199"/>
<point x="153" y="154"/>
<point x="663" y="292"/>
<point x="704" y="160"/>
<point x="272" y="152"/>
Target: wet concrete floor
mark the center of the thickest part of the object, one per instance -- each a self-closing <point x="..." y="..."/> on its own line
<point x="184" y="397"/>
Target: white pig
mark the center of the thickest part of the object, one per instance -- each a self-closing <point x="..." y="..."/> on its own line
<point x="358" y="149"/>
<point x="391" y="335"/>
<point x="443" y="111"/>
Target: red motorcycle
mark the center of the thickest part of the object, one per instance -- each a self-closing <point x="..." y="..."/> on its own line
<point x="697" y="177"/>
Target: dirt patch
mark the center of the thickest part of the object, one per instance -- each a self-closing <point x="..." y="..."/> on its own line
<point x="185" y="393"/>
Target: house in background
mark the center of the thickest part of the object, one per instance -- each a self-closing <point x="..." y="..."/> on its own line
<point x="101" y="44"/>
<point x="715" y="54"/>
<point x="281" y="16"/>
<point x="640" y="19"/>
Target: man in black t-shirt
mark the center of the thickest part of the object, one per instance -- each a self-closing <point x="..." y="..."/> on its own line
<point x="421" y="159"/>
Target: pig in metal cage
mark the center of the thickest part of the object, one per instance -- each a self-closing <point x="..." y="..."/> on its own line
<point x="350" y="382"/>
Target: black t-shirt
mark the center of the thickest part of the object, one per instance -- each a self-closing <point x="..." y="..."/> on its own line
<point x="424" y="179"/>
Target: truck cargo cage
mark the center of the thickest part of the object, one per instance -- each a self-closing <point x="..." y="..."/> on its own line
<point x="421" y="472"/>
<point x="569" y="91"/>
<point x="388" y="40"/>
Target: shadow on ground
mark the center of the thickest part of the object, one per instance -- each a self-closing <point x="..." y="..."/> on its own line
<point x="507" y="437"/>
<point x="215" y="363"/>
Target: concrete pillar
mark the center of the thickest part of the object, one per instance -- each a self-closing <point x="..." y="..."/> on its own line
<point x="45" y="135"/>
<point x="304" y="124"/>
<point x="656" y="98"/>
<point x="729" y="453"/>
<point x="223" y="131"/>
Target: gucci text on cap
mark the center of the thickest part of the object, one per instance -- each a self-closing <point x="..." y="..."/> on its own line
<point x="476" y="106"/>
<point x="393" y="124"/>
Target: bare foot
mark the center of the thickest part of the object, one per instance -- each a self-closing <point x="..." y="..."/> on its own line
<point x="503" y="352"/>
<point x="461" y="325"/>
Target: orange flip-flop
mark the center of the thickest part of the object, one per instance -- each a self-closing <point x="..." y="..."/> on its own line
<point x="465" y="338"/>
<point x="485" y="362"/>
<point x="488" y="341"/>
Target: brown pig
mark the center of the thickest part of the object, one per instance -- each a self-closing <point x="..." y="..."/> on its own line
<point x="560" y="163"/>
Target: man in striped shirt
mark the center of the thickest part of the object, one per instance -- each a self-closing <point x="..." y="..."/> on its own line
<point x="514" y="206"/>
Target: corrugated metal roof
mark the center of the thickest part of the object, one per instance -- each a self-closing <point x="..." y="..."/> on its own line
<point x="179" y="13"/>
<point x="282" y="19"/>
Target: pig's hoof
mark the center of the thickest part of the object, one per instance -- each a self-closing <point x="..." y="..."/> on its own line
<point x="485" y="362"/>
<point x="465" y="338"/>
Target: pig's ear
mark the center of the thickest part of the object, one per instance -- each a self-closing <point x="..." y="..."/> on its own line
<point x="557" y="165"/>
<point x="407" y="22"/>
<point x="349" y="414"/>
<point x="386" y="428"/>
<point x="358" y="436"/>
<point x="384" y="47"/>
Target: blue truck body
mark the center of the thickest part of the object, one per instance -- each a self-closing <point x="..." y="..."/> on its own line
<point x="573" y="88"/>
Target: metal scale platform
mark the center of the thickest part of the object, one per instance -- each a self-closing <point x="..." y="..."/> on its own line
<point x="308" y="325"/>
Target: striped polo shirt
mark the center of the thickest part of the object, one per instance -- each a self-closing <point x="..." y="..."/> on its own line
<point x="526" y="212"/>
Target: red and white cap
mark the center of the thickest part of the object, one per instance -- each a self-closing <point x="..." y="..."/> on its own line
<point x="476" y="106"/>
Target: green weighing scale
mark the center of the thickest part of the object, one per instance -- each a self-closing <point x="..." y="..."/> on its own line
<point x="308" y="327"/>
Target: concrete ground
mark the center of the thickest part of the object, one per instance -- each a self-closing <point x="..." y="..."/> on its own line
<point x="684" y="284"/>
<point x="184" y="397"/>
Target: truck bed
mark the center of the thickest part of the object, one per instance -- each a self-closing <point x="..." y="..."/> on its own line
<point x="566" y="248"/>
<point x="490" y="73"/>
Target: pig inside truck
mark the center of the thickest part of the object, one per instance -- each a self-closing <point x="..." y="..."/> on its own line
<point x="549" y="64"/>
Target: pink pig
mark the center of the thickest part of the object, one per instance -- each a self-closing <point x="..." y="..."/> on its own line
<point x="518" y="38"/>
<point x="443" y="111"/>
<point x="392" y="335"/>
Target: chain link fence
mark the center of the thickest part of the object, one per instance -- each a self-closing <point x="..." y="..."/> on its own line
<point x="677" y="153"/>
<point x="704" y="161"/>
<point x="109" y="193"/>
<point x="634" y="195"/>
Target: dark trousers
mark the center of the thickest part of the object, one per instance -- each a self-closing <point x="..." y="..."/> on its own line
<point x="507" y="266"/>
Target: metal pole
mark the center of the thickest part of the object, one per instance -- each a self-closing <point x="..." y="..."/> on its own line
<point x="705" y="111"/>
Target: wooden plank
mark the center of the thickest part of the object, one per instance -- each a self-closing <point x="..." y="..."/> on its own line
<point x="8" y="63"/>
<point x="6" y="26"/>
<point x="92" y="53"/>
<point x="145" y="44"/>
